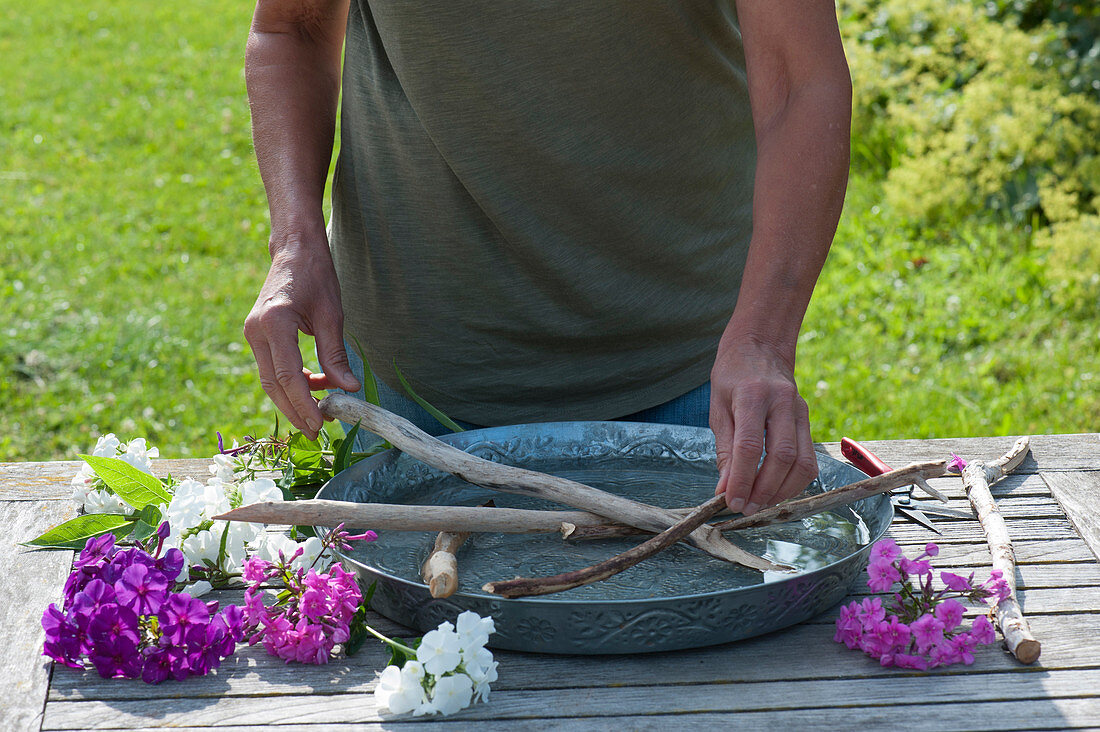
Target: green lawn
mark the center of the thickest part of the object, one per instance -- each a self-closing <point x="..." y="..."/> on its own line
<point x="133" y="242"/>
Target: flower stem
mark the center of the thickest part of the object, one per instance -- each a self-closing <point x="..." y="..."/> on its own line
<point x="390" y="641"/>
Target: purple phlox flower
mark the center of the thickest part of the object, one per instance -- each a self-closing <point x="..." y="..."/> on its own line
<point x="163" y="530"/>
<point x="981" y="630"/>
<point x="930" y="550"/>
<point x="956" y="464"/>
<point x="882" y="576"/>
<point x="157" y="666"/>
<point x="221" y="442"/>
<point x="927" y="632"/>
<point x="96" y="550"/>
<point x="918" y="567"/>
<point x="886" y="550"/>
<point x="116" y="656"/>
<point x="63" y="641"/>
<point x="957" y="583"/>
<point x="233" y="617"/>
<point x="949" y="612"/>
<point x="171" y="563"/>
<point x="142" y="589"/>
<point x="180" y="613"/>
<point x="113" y="621"/>
<point x="95" y="594"/>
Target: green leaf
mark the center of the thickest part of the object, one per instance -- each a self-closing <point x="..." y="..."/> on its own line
<point x="74" y="534"/>
<point x="343" y="454"/>
<point x="443" y="419"/>
<point x="137" y="488"/>
<point x="143" y="531"/>
<point x="370" y="385"/>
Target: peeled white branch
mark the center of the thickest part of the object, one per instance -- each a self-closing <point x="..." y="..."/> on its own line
<point x="977" y="478"/>
<point x="440" y="570"/>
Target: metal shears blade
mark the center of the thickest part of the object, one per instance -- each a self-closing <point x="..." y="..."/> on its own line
<point x="902" y="498"/>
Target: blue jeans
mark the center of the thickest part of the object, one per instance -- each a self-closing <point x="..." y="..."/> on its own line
<point x="691" y="409"/>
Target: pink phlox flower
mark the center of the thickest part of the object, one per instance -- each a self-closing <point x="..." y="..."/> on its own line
<point x="950" y="612"/>
<point x="927" y="632"/>
<point x="981" y="630"/>
<point x="931" y="549"/>
<point x="314" y="604"/>
<point x="957" y="583"/>
<point x="849" y="629"/>
<point x="963" y="646"/>
<point x="906" y="660"/>
<point x="887" y="638"/>
<point x="886" y="550"/>
<point x="870" y="612"/>
<point x="882" y="576"/>
<point x="956" y="464"/>
<point x="997" y="586"/>
<point x="255" y="569"/>
<point x="918" y="567"/>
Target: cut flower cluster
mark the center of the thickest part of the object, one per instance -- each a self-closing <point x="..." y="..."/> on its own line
<point x="918" y="628"/>
<point x="121" y="616"/>
<point x="450" y="669"/>
<point x="312" y="613"/>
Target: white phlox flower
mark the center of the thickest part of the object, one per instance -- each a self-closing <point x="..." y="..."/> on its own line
<point x="104" y="502"/>
<point x="452" y="693"/>
<point x="223" y="468"/>
<point x="399" y="690"/>
<point x="473" y="630"/>
<point x="482" y="670"/>
<point x="439" y="650"/>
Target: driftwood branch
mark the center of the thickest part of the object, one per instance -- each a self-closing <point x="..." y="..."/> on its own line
<point x="977" y="478"/>
<point x="528" y="586"/>
<point x="799" y="508"/>
<point x="440" y="569"/>
<point x="408" y="438"/>
<point x="400" y="517"/>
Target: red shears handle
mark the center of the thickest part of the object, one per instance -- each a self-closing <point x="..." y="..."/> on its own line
<point x="863" y="458"/>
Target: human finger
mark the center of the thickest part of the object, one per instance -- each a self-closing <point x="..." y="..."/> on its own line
<point x="781" y="450"/>
<point x="745" y="451"/>
<point x="287" y="366"/>
<point x="804" y="469"/>
<point x="261" y="352"/>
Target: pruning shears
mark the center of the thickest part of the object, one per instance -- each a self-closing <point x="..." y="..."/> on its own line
<point x="902" y="498"/>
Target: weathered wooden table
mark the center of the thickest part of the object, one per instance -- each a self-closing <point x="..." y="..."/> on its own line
<point x="796" y="677"/>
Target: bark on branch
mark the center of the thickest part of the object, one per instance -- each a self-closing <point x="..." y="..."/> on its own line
<point x="977" y="478"/>
<point x="528" y="586"/>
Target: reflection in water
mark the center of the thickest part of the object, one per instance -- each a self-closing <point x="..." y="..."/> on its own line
<point x="808" y="544"/>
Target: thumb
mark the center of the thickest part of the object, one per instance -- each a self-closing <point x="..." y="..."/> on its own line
<point x="334" y="359"/>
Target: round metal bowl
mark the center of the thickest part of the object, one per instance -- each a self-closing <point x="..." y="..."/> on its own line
<point x="681" y="598"/>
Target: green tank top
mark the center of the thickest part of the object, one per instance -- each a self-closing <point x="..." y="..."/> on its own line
<point x="541" y="210"/>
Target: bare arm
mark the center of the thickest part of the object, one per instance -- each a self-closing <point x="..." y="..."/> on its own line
<point x="800" y="91"/>
<point x="292" y="69"/>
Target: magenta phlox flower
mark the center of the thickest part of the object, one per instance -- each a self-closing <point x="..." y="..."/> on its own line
<point x="255" y="569"/>
<point x="997" y="586"/>
<point x="917" y="567"/>
<point x="956" y="464"/>
<point x="909" y="660"/>
<point x="314" y="605"/>
<point x="956" y="582"/>
<point x="950" y="612"/>
<point x="981" y="630"/>
<point x="919" y="627"/>
<point x="886" y="551"/>
<point x="927" y="632"/>
<point x="882" y="576"/>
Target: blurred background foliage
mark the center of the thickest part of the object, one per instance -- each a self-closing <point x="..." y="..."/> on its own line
<point x="961" y="296"/>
